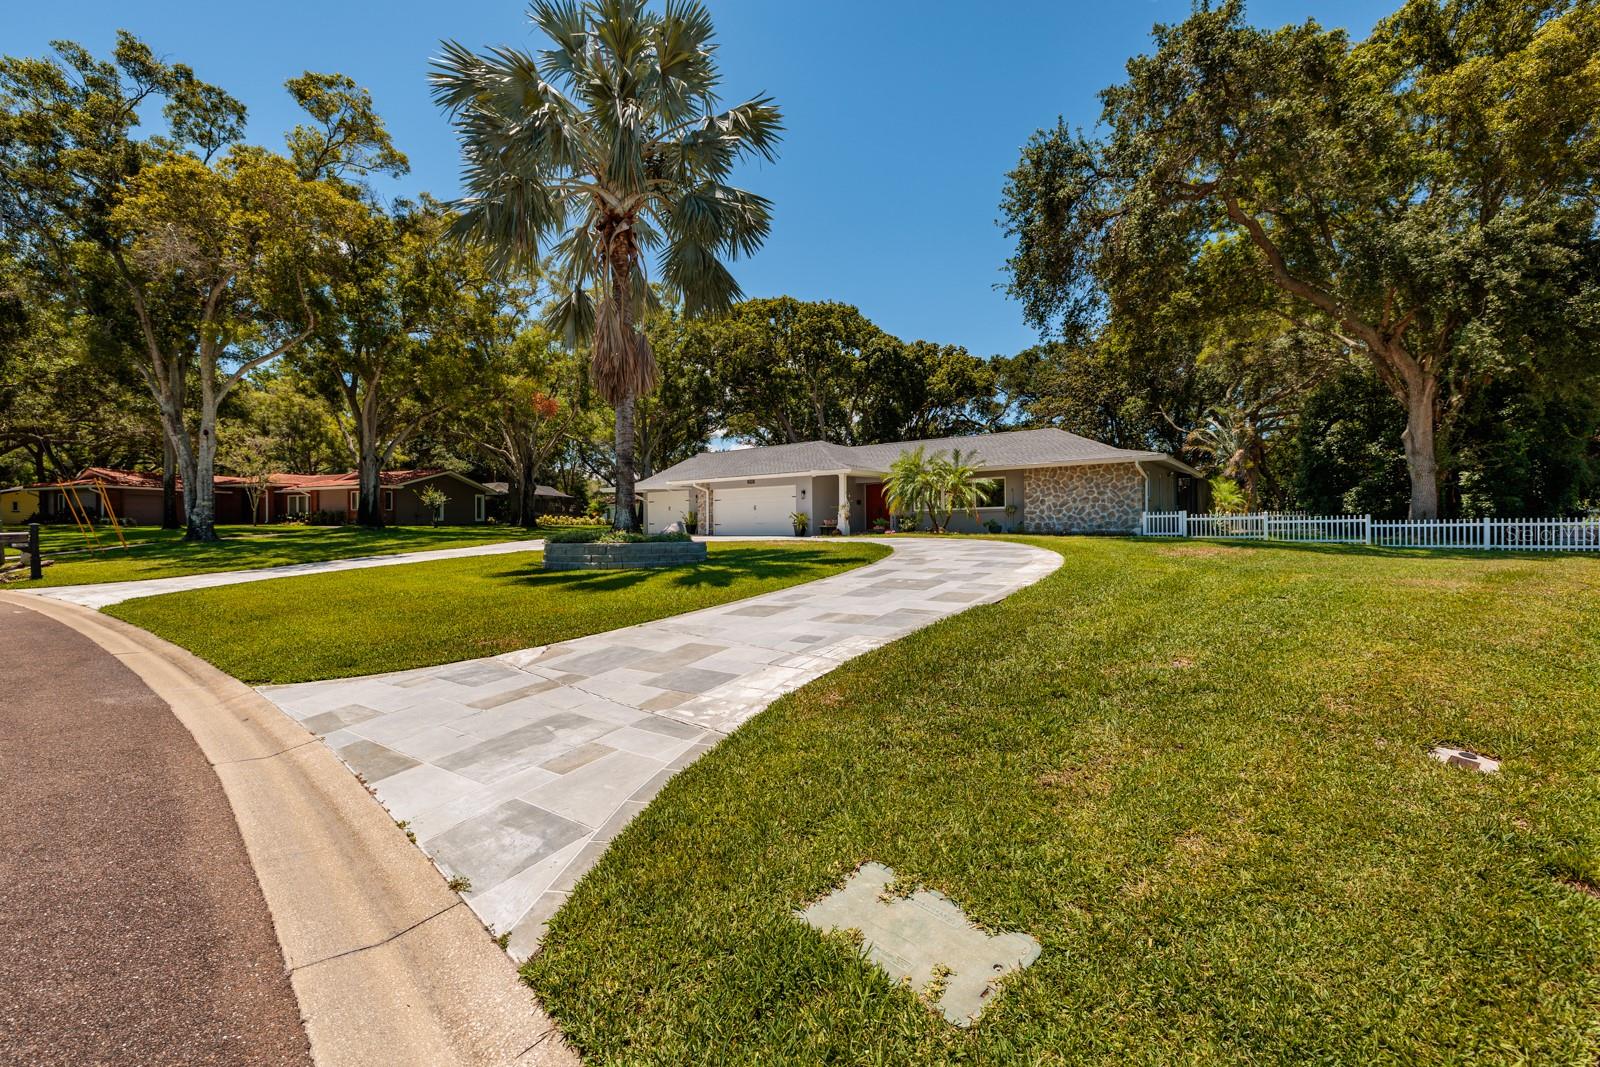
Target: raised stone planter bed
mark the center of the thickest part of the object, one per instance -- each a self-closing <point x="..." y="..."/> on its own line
<point x="596" y="557"/>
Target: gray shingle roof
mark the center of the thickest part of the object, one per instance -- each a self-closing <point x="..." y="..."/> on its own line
<point x="995" y="451"/>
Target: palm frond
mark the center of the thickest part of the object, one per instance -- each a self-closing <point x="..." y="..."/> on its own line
<point x="699" y="279"/>
<point x="570" y="316"/>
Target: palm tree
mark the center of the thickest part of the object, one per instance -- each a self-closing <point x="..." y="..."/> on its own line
<point x="960" y="486"/>
<point x="1234" y="438"/>
<point x="604" y="150"/>
<point x="909" y="485"/>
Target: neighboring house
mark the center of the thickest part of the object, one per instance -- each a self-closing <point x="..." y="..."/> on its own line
<point x="401" y="503"/>
<point x="545" y="497"/>
<point x="133" y="496"/>
<point x="136" y="497"/>
<point x="605" y="496"/>
<point x="18" y="504"/>
<point x="1056" y="482"/>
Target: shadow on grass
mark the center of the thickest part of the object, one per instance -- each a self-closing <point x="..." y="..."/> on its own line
<point x="717" y="572"/>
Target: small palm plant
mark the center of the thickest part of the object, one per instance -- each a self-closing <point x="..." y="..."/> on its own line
<point x="958" y="487"/>
<point x="1226" y="496"/>
<point x="909" y="486"/>
<point x="604" y="151"/>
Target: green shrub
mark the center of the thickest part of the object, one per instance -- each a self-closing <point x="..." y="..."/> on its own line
<point x="570" y="520"/>
<point x="607" y="536"/>
<point x="574" y="536"/>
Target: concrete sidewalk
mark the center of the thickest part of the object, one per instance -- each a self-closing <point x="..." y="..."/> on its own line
<point x="108" y="593"/>
<point x="516" y="771"/>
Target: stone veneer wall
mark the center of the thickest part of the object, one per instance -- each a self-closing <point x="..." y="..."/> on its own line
<point x="700" y="500"/>
<point x="1099" y="498"/>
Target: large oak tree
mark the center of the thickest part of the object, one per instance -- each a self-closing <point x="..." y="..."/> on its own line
<point x="1422" y="198"/>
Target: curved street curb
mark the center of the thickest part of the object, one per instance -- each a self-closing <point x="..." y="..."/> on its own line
<point x="388" y="965"/>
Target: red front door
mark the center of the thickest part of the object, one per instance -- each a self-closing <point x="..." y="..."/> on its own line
<point x="876" y="507"/>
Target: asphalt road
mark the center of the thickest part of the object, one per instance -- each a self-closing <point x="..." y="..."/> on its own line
<point x="132" y="930"/>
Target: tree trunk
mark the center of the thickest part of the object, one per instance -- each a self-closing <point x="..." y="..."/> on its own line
<point x="625" y="466"/>
<point x="369" y="495"/>
<point x="171" y="509"/>
<point x="170" y="516"/>
<point x="369" y="491"/>
<point x="527" y="500"/>
<point x="200" y="483"/>
<point x="1422" y="460"/>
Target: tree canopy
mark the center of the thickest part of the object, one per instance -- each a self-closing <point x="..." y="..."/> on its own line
<point x="1424" y="199"/>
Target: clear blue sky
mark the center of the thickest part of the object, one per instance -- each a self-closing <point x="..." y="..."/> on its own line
<point x="903" y="117"/>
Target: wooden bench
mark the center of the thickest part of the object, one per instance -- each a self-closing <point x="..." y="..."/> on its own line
<point x="26" y="544"/>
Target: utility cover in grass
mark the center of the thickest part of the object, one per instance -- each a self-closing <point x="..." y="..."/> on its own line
<point x="924" y="940"/>
<point x="1466" y="758"/>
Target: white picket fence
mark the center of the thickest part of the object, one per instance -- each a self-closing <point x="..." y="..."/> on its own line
<point x="1554" y="535"/>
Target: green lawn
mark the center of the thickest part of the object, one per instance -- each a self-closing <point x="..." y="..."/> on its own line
<point x="157" y="553"/>
<point x="64" y="540"/>
<point x="1197" y="774"/>
<point x="392" y="618"/>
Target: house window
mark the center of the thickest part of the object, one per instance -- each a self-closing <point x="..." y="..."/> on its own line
<point x="296" y="504"/>
<point x="355" y="501"/>
<point x="388" y="500"/>
<point x="994" y="496"/>
<point x="479" y="507"/>
<point x="438" y="513"/>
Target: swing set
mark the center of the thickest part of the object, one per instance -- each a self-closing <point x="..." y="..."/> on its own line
<point x="80" y="513"/>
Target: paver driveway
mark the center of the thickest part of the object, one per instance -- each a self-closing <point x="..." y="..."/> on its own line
<point x="516" y="771"/>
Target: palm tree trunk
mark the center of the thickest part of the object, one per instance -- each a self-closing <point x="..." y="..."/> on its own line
<point x="625" y="465"/>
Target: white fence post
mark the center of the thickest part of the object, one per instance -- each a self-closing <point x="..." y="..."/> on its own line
<point x="1183" y="524"/>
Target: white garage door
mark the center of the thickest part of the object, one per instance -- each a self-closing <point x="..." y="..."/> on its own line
<point x="761" y="511"/>
<point x="663" y="509"/>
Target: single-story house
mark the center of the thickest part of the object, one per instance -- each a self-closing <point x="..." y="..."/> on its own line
<point x="1049" y="480"/>
<point x="18" y="504"/>
<point x="401" y="499"/>
<point x="546" y="498"/>
<point x="136" y="497"/>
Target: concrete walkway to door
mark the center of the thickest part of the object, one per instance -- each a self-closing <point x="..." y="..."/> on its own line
<point x="516" y="771"/>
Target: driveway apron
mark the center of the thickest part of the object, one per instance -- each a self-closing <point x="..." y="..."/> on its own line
<point x="514" y="772"/>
